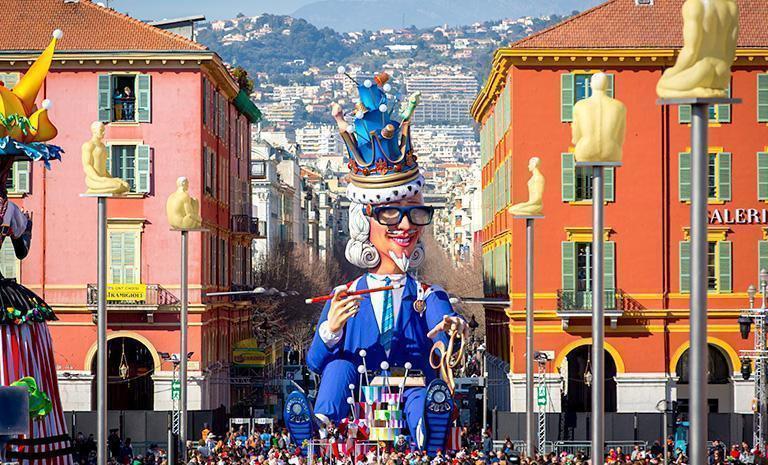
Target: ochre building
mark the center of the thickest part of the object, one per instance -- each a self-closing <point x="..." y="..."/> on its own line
<point x="525" y="109"/>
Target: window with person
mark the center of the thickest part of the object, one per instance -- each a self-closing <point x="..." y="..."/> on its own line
<point x="124" y="98"/>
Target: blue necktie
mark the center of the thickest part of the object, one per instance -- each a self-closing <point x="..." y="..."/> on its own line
<point x="388" y="317"/>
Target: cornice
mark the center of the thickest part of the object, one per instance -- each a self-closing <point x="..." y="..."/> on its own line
<point x="504" y="58"/>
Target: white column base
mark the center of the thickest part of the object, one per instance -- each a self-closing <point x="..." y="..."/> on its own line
<point x="517" y="393"/>
<point x="640" y="392"/>
<point x="162" y="386"/>
<point x="75" y="390"/>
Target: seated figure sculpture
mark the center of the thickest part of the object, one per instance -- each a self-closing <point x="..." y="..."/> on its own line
<point x="94" y="156"/>
<point x="703" y="67"/>
<point x="182" y="209"/>
<point x="535" y="203"/>
<point x="599" y="125"/>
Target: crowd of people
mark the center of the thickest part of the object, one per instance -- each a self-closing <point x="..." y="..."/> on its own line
<point x="268" y="447"/>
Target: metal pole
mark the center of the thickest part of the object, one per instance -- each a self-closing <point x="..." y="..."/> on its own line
<point x="698" y="304"/>
<point x="529" y="418"/>
<point x="183" y="354"/>
<point x="171" y="438"/>
<point x="485" y="386"/>
<point x="762" y="405"/>
<point x="598" y="320"/>
<point x="101" y="345"/>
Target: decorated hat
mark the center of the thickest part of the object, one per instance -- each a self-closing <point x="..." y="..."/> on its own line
<point x="25" y="128"/>
<point x="382" y="165"/>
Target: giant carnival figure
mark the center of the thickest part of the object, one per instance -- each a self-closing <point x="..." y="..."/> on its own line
<point x="386" y="318"/>
<point x="26" y="352"/>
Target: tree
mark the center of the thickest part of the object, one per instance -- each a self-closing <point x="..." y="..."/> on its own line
<point x="243" y="81"/>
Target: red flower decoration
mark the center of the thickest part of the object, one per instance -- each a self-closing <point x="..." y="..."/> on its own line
<point x="366" y="171"/>
<point x="399" y="167"/>
<point x="353" y="166"/>
<point x="381" y="167"/>
<point x="410" y="159"/>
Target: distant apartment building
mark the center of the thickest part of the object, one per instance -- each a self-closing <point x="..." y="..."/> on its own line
<point x="319" y="139"/>
<point x="281" y="113"/>
<point x="446" y="143"/>
<point x="292" y="93"/>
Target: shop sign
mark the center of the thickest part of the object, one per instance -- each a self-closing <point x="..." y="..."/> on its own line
<point x="247" y="353"/>
<point x="126" y="292"/>
<point x="738" y="216"/>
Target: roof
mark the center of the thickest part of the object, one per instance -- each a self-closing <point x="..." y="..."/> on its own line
<point x="87" y="27"/>
<point x="624" y="24"/>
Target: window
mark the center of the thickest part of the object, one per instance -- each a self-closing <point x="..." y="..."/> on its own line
<point x="132" y="164"/>
<point x="762" y="176"/>
<point x="762" y="98"/>
<point x="718" y="177"/>
<point x="575" y="87"/>
<point x="258" y="169"/>
<point x="576" y="182"/>
<point x="720" y="113"/>
<point x="124" y="98"/>
<point x="211" y="180"/>
<point x="19" y="177"/>
<point x="206" y="94"/>
<point x="9" y="264"/>
<point x="124" y="257"/>
<point x="577" y="261"/>
<point x="719" y="266"/>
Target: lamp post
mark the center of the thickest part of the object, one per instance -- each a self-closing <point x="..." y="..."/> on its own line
<point x="481" y="350"/>
<point x="758" y="354"/>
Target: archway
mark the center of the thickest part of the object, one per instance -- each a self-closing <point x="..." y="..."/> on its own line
<point x="719" y="373"/>
<point x="577" y="368"/>
<point x="130" y="365"/>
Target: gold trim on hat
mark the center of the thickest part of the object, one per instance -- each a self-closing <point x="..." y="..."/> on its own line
<point x="392" y="180"/>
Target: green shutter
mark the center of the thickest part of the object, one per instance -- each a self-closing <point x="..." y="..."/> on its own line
<point x="566" y="97"/>
<point x="110" y="154"/>
<point x="568" y="177"/>
<point x="610" y="90"/>
<point x="116" y="257"/>
<point x="143" y="169"/>
<point x="724" y="176"/>
<point x="684" y="114"/>
<point x="568" y="260"/>
<point x="21" y="173"/>
<point x="609" y="174"/>
<point x="8" y="261"/>
<point x="724" y="280"/>
<point x="684" y="173"/>
<point x="9" y="79"/>
<point x="685" y="266"/>
<point x="762" y="176"/>
<point x="105" y="98"/>
<point x="762" y="98"/>
<point x="130" y="272"/>
<point x="144" y="98"/>
<point x="609" y="273"/>
<point x="724" y="110"/>
<point x="762" y="262"/>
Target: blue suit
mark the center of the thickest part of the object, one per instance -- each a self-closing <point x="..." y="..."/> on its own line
<point x="338" y="365"/>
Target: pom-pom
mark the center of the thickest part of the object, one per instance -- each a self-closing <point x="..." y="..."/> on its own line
<point x="383" y="108"/>
<point x="385" y="365"/>
<point x="361" y="369"/>
<point x="387" y="87"/>
<point x="367" y="83"/>
<point x="350" y="400"/>
<point x="58" y="34"/>
<point x="351" y="128"/>
<point x="363" y="353"/>
<point x="408" y="365"/>
<point x="351" y="387"/>
<point x="359" y="114"/>
<point x="47" y="104"/>
<point x="341" y="70"/>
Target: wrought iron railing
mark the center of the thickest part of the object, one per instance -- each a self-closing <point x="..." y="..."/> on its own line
<point x="155" y="295"/>
<point x="245" y="224"/>
<point x="569" y="300"/>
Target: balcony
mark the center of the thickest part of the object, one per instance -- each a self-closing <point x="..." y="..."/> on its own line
<point x="134" y="298"/>
<point x="245" y="224"/>
<point x="578" y="304"/>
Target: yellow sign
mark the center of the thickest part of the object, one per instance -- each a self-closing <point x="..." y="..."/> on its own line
<point x="247" y="353"/>
<point x="123" y="292"/>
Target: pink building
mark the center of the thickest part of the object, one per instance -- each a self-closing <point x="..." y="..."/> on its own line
<point x="171" y="109"/>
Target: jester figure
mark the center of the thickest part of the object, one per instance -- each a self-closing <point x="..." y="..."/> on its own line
<point x="26" y="352"/>
<point x="400" y="326"/>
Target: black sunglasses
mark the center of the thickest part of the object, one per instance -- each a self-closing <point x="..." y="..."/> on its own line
<point x="389" y="215"/>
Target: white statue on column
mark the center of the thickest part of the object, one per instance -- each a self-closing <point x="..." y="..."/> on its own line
<point x="703" y="67"/>
<point x="599" y="124"/>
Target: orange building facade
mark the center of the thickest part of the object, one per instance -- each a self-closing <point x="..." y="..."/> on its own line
<point x="525" y="110"/>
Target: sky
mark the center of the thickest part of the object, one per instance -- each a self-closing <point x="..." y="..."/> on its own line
<point x="212" y="9"/>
